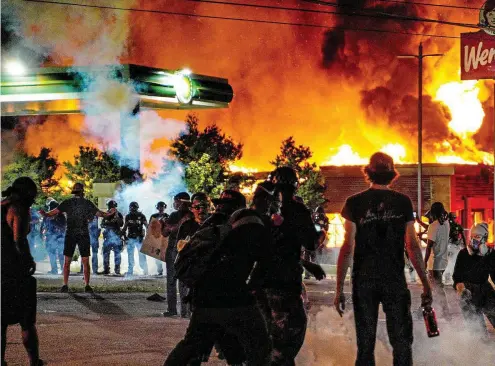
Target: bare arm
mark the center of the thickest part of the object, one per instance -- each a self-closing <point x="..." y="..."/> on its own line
<point x="429" y="246"/>
<point x="19" y="223"/>
<point x="105" y="214"/>
<point x="344" y="262"/>
<point x="416" y="257"/>
<point x="51" y="213"/>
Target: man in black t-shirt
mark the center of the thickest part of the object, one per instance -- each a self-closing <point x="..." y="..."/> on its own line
<point x="134" y="230"/>
<point x="161" y="215"/>
<point x="377" y="221"/>
<point x="80" y="211"/>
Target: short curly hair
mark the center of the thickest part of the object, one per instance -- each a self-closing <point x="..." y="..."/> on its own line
<point x="381" y="169"/>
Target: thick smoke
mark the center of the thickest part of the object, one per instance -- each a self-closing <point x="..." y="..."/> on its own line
<point x="331" y="341"/>
<point x="388" y="85"/>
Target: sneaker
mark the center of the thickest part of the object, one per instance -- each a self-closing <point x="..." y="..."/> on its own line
<point x="159" y="274"/>
<point x="106" y="272"/>
<point x="64" y="289"/>
<point x="88" y="289"/>
<point x="170" y="314"/>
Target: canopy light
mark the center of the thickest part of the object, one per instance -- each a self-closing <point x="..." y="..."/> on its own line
<point x="61" y="89"/>
<point x="183" y="87"/>
<point x="15" y="68"/>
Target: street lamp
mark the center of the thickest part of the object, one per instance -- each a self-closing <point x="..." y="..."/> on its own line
<point x="15" y="67"/>
<point x="420" y="56"/>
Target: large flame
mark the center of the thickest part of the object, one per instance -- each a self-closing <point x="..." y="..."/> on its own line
<point x="464" y="104"/>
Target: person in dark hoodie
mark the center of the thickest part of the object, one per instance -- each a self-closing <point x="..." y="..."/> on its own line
<point x="283" y="287"/>
<point x="222" y="301"/>
<point x="474" y="265"/>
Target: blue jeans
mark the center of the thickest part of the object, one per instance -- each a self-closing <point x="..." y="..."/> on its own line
<point x="55" y="247"/>
<point x="111" y="241"/>
<point x="132" y="244"/>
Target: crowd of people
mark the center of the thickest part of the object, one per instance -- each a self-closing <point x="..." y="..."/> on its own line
<point x="239" y="269"/>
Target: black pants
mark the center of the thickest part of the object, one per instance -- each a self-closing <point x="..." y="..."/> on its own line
<point x="286" y="321"/>
<point x="210" y="324"/>
<point x="170" y="256"/>
<point x="480" y="300"/>
<point x="396" y="303"/>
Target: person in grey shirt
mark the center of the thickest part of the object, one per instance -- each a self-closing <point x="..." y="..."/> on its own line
<point x="437" y="242"/>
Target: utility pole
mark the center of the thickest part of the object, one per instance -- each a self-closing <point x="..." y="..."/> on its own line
<point x="420" y="56"/>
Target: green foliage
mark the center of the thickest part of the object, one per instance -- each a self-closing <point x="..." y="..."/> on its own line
<point x="40" y="168"/>
<point x="202" y="176"/>
<point x="312" y="183"/>
<point x="192" y="145"/>
<point x="92" y="165"/>
<point x="206" y="155"/>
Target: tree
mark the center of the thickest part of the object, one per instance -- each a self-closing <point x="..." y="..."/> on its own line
<point x="210" y="149"/>
<point x="92" y="165"/>
<point x="41" y="169"/>
<point x="202" y="176"/>
<point x="312" y="183"/>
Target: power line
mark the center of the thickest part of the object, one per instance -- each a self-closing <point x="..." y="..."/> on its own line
<point x="368" y="13"/>
<point x="309" y="25"/>
<point x="394" y="16"/>
<point x="431" y="4"/>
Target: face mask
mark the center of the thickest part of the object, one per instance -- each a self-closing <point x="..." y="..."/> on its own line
<point x="484" y="249"/>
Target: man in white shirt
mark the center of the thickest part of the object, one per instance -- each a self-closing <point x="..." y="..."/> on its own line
<point x="438" y="241"/>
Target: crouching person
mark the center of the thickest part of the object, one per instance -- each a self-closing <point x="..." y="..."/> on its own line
<point x="221" y="299"/>
<point x="473" y="266"/>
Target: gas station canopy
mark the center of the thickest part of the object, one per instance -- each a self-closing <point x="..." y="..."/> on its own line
<point x="61" y="90"/>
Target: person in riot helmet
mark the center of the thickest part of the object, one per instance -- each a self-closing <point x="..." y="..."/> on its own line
<point x="282" y="288"/>
<point x="53" y="232"/>
<point x="18" y="266"/>
<point x="437" y="242"/>
<point x="161" y="215"/>
<point x="474" y="265"/>
<point x="170" y="229"/>
<point x="112" y="238"/>
<point x="133" y="231"/>
<point x="80" y="211"/>
<point x="377" y="222"/>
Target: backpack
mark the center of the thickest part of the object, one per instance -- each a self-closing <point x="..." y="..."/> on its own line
<point x="199" y="254"/>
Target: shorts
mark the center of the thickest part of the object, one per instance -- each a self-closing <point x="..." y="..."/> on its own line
<point x="79" y="239"/>
<point x="19" y="301"/>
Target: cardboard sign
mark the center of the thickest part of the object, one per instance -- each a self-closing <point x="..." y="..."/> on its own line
<point x="154" y="243"/>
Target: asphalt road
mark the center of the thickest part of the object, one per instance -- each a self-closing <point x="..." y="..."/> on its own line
<point x="126" y="329"/>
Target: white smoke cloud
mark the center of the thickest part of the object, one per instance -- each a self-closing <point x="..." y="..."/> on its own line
<point x="331" y="341"/>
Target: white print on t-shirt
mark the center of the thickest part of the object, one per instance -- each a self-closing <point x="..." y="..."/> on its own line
<point x="385" y="216"/>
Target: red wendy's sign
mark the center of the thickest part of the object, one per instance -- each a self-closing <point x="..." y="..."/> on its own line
<point x="477" y="56"/>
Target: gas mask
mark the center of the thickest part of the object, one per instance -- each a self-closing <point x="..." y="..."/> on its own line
<point x="479" y="245"/>
<point x="479" y="236"/>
